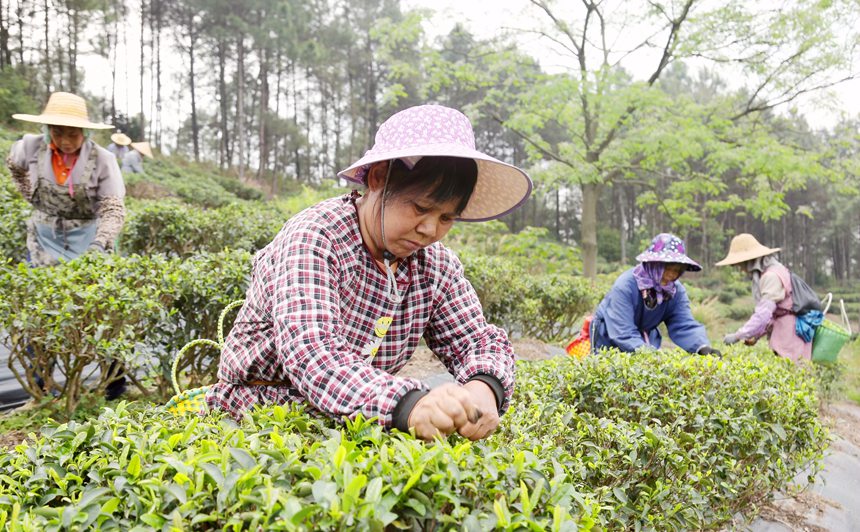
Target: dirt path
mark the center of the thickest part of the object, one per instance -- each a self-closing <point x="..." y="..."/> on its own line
<point x="425" y="364"/>
<point x="832" y="503"/>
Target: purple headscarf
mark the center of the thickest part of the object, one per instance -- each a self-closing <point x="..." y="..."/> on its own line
<point x="648" y="276"/>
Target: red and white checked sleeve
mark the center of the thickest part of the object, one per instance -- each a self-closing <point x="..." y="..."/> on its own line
<point x="462" y="338"/>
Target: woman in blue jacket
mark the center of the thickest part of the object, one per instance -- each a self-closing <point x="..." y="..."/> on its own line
<point x="647" y="295"/>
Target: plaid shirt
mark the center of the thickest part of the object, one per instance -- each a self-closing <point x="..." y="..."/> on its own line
<point x="318" y="318"/>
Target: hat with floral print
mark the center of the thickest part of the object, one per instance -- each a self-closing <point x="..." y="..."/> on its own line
<point x="667" y="247"/>
<point x="435" y="130"/>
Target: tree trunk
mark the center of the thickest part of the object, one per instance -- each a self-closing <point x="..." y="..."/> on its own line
<point x="590" y="196"/>
<point x="155" y="35"/>
<point x="19" y="14"/>
<point x="5" y="58"/>
<point x="195" y="129"/>
<point x="75" y="16"/>
<point x="48" y="76"/>
<point x="264" y="111"/>
<point x="240" y="104"/>
<point x="224" y="155"/>
<point x="622" y="232"/>
<point x="142" y="41"/>
<point x="112" y="41"/>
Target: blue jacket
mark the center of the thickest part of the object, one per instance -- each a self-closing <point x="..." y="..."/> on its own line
<point x="621" y="319"/>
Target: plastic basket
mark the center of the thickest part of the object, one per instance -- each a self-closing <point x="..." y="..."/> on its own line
<point x="828" y="341"/>
<point x="829" y="338"/>
<point x="581" y="345"/>
<point x="190" y="401"/>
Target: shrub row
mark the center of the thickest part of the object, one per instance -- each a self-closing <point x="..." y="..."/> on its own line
<point x="143" y="309"/>
<point x="614" y="442"/>
<point x="181" y="230"/>
<point x="546" y="307"/>
<point x="101" y="308"/>
<point x="13" y="228"/>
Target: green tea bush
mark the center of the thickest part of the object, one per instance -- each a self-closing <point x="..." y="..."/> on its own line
<point x="545" y="307"/>
<point x="89" y="311"/>
<point x="207" y="283"/>
<point x="738" y="311"/>
<point x="661" y="441"/>
<point x="181" y="230"/>
<point x="532" y="249"/>
<point x="13" y="222"/>
<point x="99" y="308"/>
<point x="193" y="184"/>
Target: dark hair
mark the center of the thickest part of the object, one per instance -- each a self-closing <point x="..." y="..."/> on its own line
<point x="439" y="178"/>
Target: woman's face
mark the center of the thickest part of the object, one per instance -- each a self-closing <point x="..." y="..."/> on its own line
<point x="411" y="223"/>
<point x="671" y="272"/>
<point x="67" y="139"/>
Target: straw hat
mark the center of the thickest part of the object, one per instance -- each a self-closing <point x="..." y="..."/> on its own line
<point x="745" y="247"/>
<point x="143" y="147"/>
<point x="120" y="139"/>
<point x="434" y="130"/>
<point x="667" y="247"/>
<point x="64" y="109"/>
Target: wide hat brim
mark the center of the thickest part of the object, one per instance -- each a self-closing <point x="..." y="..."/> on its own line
<point x="61" y="120"/>
<point x="500" y="189"/>
<point x="677" y="258"/>
<point x="120" y="139"/>
<point x="742" y="256"/>
<point x="144" y="148"/>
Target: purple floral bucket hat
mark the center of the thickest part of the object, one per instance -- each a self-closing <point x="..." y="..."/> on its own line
<point x="666" y="247"/>
<point x="435" y="130"/>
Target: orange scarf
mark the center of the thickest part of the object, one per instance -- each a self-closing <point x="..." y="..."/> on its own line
<point x="62" y="163"/>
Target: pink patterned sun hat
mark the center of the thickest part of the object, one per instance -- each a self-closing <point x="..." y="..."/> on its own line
<point x="435" y="130"/>
<point x="667" y="247"/>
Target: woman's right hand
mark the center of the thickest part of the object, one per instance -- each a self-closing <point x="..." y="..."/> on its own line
<point x="444" y="410"/>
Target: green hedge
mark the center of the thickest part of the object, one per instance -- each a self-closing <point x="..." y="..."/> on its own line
<point x="542" y="306"/>
<point x="614" y="442"/>
<point x="181" y="230"/>
<point x="103" y="307"/>
<point x="13" y="228"/>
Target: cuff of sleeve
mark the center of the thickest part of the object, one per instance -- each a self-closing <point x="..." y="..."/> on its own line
<point x="495" y="384"/>
<point x="400" y="415"/>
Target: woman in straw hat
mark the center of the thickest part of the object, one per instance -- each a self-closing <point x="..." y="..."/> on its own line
<point x="771" y="287"/>
<point x="118" y="146"/>
<point x="342" y="296"/>
<point x="647" y="295"/>
<point x="132" y="163"/>
<point x="74" y="185"/>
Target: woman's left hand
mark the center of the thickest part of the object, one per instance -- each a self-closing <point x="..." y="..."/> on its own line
<point x="485" y="400"/>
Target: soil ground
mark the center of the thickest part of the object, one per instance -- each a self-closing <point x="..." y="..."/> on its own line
<point x="832" y="502"/>
<point x="425" y="364"/>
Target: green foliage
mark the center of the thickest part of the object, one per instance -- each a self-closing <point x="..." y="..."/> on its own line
<point x="613" y="442"/>
<point x="98" y="308"/>
<point x="89" y="311"/>
<point x="181" y="230"/>
<point x="13" y="222"/>
<point x="206" y="284"/>
<point x="14" y="96"/>
<point x="531" y="249"/>
<point x="194" y="184"/>
<point x="545" y="307"/>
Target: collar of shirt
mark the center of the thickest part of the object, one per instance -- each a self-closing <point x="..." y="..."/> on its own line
<point x="62" y="164"/>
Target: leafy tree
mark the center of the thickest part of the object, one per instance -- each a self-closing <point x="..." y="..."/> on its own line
<point x="782" y="53"/>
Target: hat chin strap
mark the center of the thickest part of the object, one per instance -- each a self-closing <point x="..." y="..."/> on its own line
<point x="387" y="256"/>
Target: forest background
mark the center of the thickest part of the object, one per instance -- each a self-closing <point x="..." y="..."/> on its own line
<point x="687" y="116"/>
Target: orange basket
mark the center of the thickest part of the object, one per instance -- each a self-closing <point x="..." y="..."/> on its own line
<point x="581" y="345"/>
